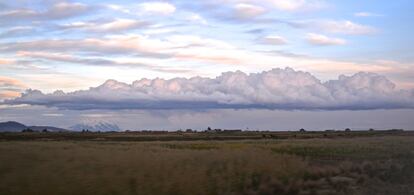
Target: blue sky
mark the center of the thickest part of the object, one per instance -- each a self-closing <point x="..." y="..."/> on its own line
<point x="49" y="45"/>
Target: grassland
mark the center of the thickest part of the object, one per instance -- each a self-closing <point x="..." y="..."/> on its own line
<point x="237" y="163"/>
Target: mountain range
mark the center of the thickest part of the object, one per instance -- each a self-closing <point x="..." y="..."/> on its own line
<point x="13" y="126"/>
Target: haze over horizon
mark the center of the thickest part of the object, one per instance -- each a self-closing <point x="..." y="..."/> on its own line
<point x="266" y="64"/>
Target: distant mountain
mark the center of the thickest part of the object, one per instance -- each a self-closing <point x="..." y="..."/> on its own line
<point x="101" y="126"/>
<point x="13" y="126"/>
<point x="48" y="128"/>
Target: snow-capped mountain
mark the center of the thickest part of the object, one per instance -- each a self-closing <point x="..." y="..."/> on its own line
<point x="101" y="126"/>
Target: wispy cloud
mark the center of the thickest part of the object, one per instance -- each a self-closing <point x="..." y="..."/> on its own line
<point x="53" y="114"/>
<point x="16" y="31"/>
<point x="244" y="10"/>
<point x="10" y="82"/>
<point x="335" y="26"/>
<point x="10" y="87"/>
<point x="114" y="26"/>
<point x="318" y="39"/>
<point x="193" y="17"/>
<point x="59" y="57"/>
<point x="162" y="8"/>
<point x="286" y="5"/>
<point x="345" y="27"/>
<point x="273" y="40"/>
<point x="6" y="61"/>
<point x="297" y="5"/>
<point x="367" y="14"/>
<point x="59" y="10"/>
<point x="185" y="48"/>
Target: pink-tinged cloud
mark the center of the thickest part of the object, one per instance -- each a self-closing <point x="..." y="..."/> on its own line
<point x="4" y="94"/>
<point x="10" y="82"/>
<point x="10" y="88"/>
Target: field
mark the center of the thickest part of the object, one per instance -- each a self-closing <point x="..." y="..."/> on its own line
<point x="207" y="163"/>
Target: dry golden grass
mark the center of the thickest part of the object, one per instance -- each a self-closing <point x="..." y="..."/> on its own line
<point x="313" y="166"/>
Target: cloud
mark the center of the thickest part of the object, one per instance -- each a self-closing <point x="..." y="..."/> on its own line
<point x="322" y="40"/>
<point x="162" y="8"/>
<point x="243" y="10"/>
<point x="366" y="14"/>
<point x="57" y="11"/>
<point x="10" y="82"/>
<point x="114" y="26"/>
<point x="53" y="114"/>
<point x="335" y="26"/>
<point x="59" y="57"/>
<point x="153" y="52"/>
<point x="7" y="94"/>
<point x="345" y="27"/>
<point x="10" y="87"/>
<point x="176" y="46"/>
<point x="196" y="18"/>
<point x="110" y="45"/>
<point x="284" y="89"/>
<point x="296" y="5"/>
<point x="183" y="48"/>
<point x="273" y="40"/>
<point x="118" y="8"/>
<point x="284" y="5"/>
<point x="16" y="31"/>
<point x="6" y="61"/>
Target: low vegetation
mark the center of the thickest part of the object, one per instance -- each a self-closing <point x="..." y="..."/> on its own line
<point x="357" y="164"/>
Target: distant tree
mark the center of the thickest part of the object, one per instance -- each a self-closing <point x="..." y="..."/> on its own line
<point x="189" y="130"/>
<point x="45" y="131"/>
<point x="302" y="130"/>
<point x="27" y="130"/>
<point x="371" y="129"/>
<point x="208" y="128"/>
<point x="347" y="129"/>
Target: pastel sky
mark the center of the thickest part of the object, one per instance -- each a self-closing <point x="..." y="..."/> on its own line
<point x="269" y="64"/>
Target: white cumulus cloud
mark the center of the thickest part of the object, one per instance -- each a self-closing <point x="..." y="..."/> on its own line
<point x="275" y="89"/>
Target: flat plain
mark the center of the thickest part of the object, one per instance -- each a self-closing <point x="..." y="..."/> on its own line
<point x="379" y="162"/>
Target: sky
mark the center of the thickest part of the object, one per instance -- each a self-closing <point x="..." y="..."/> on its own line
<point x="245" y="64"/>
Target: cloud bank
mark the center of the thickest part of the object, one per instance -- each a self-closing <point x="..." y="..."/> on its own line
<point x="284" y="89"/>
